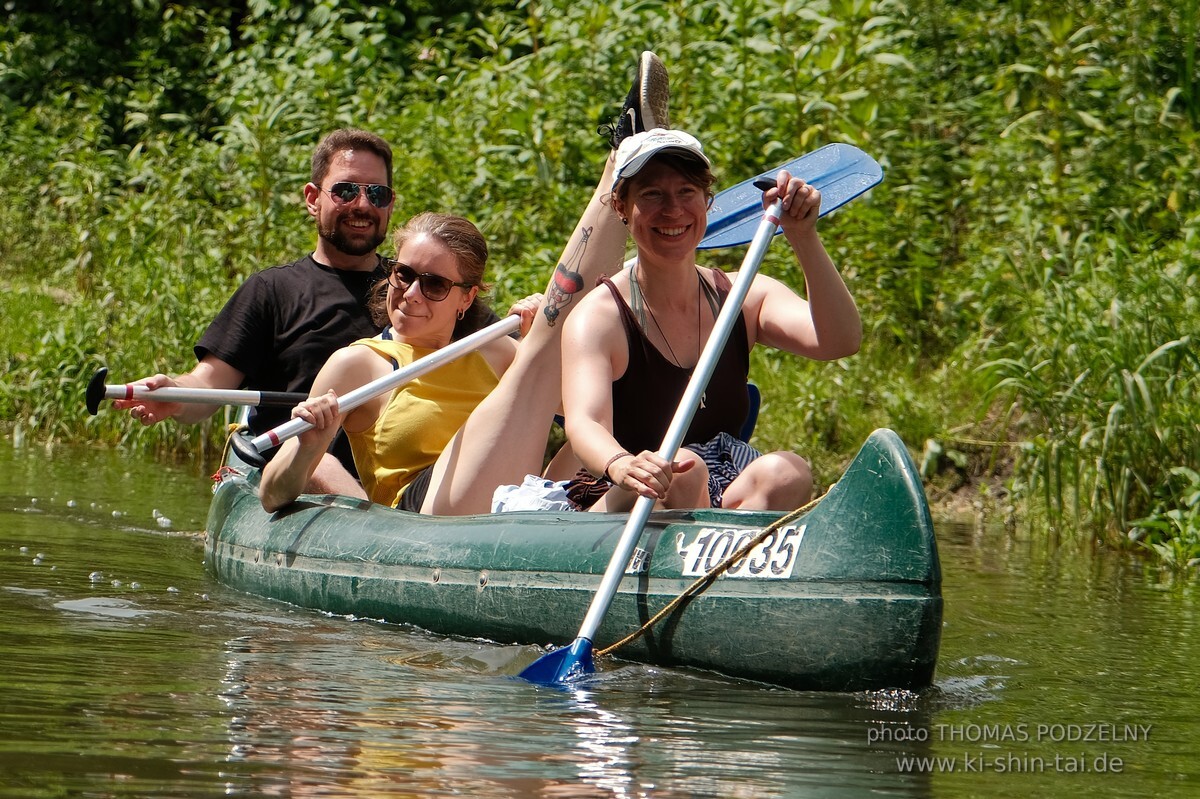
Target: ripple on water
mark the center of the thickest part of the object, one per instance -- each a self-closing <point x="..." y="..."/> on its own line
<point x="109" y="607"/>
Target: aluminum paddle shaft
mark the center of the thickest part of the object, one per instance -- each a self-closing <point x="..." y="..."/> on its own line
<point x="252" y="450"/>
<point x="98" y="390"/>
<point x="682" y="419"/>
<point x="565" y="664"/>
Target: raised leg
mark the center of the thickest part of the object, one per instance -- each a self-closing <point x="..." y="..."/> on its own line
<point x="505" y="437"/>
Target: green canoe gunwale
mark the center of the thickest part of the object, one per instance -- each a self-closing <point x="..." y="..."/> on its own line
<point x="860" y="610"/>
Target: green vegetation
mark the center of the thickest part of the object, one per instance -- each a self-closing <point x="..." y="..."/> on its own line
<point x="1027" y="271"/>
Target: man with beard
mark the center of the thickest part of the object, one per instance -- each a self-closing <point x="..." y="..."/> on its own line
<point x="282" y="324"/>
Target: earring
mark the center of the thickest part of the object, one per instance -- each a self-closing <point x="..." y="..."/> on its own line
<point x="624" y="220"/>
<point x="461" y="313"/>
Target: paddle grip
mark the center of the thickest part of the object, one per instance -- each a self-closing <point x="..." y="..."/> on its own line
<point x="95" y="390"/>
<point x="243" y="447"/>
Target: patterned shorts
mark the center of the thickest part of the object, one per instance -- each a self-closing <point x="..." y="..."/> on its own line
<point x="725" y="457"/>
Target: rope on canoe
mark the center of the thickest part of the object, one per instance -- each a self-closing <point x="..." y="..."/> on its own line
<point x="230" y="431"/>
<point x="702" y="583"/>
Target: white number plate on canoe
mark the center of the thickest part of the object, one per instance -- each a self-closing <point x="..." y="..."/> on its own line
<point x="772" y="559"/>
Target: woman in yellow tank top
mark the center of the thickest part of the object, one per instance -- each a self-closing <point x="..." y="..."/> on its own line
<point x="433" y="284"/>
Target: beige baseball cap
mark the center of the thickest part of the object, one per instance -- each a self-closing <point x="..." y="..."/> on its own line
<point x="637" y="150"/>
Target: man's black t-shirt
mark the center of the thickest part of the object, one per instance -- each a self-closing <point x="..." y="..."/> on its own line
<point x="283" y="323"/>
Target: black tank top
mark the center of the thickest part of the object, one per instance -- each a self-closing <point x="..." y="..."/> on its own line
<point x="646" y="396"/>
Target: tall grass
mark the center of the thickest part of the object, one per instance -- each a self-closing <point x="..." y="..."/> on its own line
<point x="1101" y="360"/>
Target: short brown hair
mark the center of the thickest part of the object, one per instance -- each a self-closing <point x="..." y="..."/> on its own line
<point x="348" y="139"/>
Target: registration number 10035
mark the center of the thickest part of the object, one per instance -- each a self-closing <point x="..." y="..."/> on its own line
<point x="771" y="559"/>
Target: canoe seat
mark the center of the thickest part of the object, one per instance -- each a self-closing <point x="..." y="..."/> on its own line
<point x="751" y="415"/>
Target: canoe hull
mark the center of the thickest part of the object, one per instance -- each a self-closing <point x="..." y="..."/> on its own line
<point x="847" y="598"/>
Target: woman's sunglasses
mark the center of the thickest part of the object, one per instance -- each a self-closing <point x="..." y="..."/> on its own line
<point x="377" y="195"/>
<point x="434" y="287"/>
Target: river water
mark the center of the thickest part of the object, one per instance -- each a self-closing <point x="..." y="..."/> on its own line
<point x="127" y="671"/>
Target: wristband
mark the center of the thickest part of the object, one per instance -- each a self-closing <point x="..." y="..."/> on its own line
<point x="614" y="459"/>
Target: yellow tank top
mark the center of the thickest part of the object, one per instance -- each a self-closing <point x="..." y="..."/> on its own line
<point x="419" y="419"/>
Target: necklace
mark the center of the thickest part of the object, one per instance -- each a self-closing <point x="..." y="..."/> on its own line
<point x="642" y="311"/>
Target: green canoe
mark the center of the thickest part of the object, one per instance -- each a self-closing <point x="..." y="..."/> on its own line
<point x="846" y="597"/>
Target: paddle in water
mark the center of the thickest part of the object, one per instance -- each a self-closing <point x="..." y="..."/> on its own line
<point x="574" y="661"/>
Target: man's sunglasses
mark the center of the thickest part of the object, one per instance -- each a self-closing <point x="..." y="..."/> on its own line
<point x="377" y="195"/>
<point x="434" y="287"/>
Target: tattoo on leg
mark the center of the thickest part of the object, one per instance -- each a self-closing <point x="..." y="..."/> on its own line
<point x="567" y="282"/>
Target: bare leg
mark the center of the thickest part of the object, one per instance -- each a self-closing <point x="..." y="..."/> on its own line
<point x="776" y="481"/>
<point x="505" y="437"/>
<point x="331" y="477"/>
<point x="564" y="465"/>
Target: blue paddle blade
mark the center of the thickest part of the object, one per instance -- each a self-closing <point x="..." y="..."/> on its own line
<point x="562" y="665"/>
<point x="840" y="171"/>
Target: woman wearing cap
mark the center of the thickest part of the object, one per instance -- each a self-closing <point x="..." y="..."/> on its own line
<point x="629" y="351"/>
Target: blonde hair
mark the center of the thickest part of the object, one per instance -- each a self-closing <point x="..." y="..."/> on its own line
<point x="463" y="239"/>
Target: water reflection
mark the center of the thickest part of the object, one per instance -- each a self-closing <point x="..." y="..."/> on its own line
<point x="604" y="742"/>
<point x="650" y="733"/>
<point x="351" y="704"/>
<point x="116" y="644"/>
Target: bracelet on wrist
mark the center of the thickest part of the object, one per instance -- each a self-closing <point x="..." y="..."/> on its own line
<point x="614" y="459"/>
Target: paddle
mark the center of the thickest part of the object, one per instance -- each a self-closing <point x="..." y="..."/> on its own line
<point x="575" y="660"/>
<point x="840" y="172"/>
<point x="98" y="390"/>
<point x="250" y="450"/>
